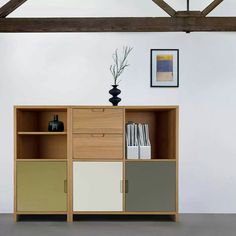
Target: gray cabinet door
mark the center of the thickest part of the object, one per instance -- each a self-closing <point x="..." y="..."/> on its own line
<point x="151" y="186"/>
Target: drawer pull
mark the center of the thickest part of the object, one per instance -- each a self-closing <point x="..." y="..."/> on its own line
<point x="97" y="135"/>
<point x="98" y="110"/>
<point x="65" y="186"/>
<point x="124" y="186"/>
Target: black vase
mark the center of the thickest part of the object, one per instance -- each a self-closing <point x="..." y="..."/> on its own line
<point x="115" y="92"/>
<point x="55" y="125"/>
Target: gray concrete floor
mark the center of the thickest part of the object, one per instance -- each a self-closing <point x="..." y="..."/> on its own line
<point x="189" y="225"/>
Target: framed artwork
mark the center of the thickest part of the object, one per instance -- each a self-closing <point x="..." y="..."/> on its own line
<point x="164" y="68"/>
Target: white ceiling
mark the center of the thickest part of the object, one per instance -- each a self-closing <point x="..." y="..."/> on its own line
<point x="73" y="8"/>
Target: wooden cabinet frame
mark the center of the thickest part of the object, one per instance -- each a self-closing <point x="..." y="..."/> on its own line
<point x="159" y="118"/>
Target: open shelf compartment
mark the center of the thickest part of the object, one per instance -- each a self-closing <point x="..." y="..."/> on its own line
<point x="162" y="129"/>
<point x="42" y="147"/>
<point x="33" y="139"/>
<point x="36" y="120"/>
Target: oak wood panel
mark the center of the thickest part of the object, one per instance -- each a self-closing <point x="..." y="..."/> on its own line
<point x="104" y="146"/>
<point x="122" y="24"/>
<point x="69" y="167"/>
<point x="123" y="213"/>
<point x="98" y="120"/>
<point x="42" y="147"/>
<point x="161" y="130"/>
<point x="42" y="133"/>
<point x="41" y="212"/>
<point x="37" y="120"/>
<point x="40" y="160"/>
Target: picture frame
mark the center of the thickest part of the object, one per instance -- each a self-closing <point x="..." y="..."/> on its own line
<point x="164" y="68"/>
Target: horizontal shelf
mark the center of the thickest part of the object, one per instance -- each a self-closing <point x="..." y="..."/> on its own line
<point x="97" y="160"/>
<point x="41" y="159"/>
<point x="150" y="160"/>
<point x="42" y="133"/>
<point x="122" y="213"/>
<point x="41" y="212"/>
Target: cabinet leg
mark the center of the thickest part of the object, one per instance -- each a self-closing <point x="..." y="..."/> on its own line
<point x="176" y="217"/>
<point x="69" y="217"/>
<point x="15" y="217"/>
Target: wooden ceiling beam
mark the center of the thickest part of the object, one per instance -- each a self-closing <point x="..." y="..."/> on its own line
<point x="9" y="7"/>
<point x="123" y="24"/>
<point x="165" y="7"/>
<point x="211" y="7"/>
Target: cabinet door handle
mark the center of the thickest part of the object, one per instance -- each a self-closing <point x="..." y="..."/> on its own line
<point x="124" y="186"/>
<point x="121" y="186"/>
<point x="65" y="186"/>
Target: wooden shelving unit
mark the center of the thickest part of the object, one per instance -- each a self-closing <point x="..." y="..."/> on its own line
<point x="52" y="169"/>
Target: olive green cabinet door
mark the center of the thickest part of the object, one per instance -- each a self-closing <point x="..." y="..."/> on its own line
<point x="151" y="186"/>
<point x="41" y="186"/>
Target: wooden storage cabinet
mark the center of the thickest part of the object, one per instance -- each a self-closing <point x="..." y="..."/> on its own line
<point x="97" y="186"/>
<point x="84" y="169"/>
<point x="151" y="186"/>
<point x="41" y="186"/>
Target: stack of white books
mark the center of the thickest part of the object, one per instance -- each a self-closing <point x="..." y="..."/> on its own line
<point x="137" y="141"/>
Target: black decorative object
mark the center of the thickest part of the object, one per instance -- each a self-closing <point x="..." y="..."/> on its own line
<point x="55" y="125"/>
<point x="115" y="92"/>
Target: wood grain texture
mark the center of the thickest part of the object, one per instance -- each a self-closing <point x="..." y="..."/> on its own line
<point x="36" y="120"/>
<point x="211" y="7"/>
<point x="165" y="7"/>
<point x="14" y="165"/>
<point x="108" y="146"/>
<point x="122" y="24"/>
<point x="42" y="133"/>
<point x="98" y="120"/>
<point x="122" y="213"/>
<point x="10" y="6"/>
<point x="69" y="167"/>
<point x="161" y="130"/>
<point x="42" y="147"/>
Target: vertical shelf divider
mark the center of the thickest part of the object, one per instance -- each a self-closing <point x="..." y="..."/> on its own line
<point x="69" y="167"/>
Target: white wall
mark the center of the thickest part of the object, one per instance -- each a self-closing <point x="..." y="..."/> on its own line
<point x="74" y="69"/>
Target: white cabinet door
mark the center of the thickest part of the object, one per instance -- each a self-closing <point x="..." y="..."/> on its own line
<point x="96" y="186"/>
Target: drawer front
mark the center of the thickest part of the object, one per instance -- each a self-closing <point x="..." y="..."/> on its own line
<point x="98" y="120"/>
<point x="98" y="146"/>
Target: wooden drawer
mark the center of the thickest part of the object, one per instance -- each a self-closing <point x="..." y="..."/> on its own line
<point x="98" y="146"/>
<point x="98" y="120"/>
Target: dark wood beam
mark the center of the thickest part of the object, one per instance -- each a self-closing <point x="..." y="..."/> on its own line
<point x="10" y="6"/>
<point x="166" y="7"/>
<point x="211" y="7"/>
<point x="149" y="24"/>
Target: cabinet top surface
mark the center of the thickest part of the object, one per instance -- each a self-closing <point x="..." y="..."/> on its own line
<point x="38" y="107"/>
